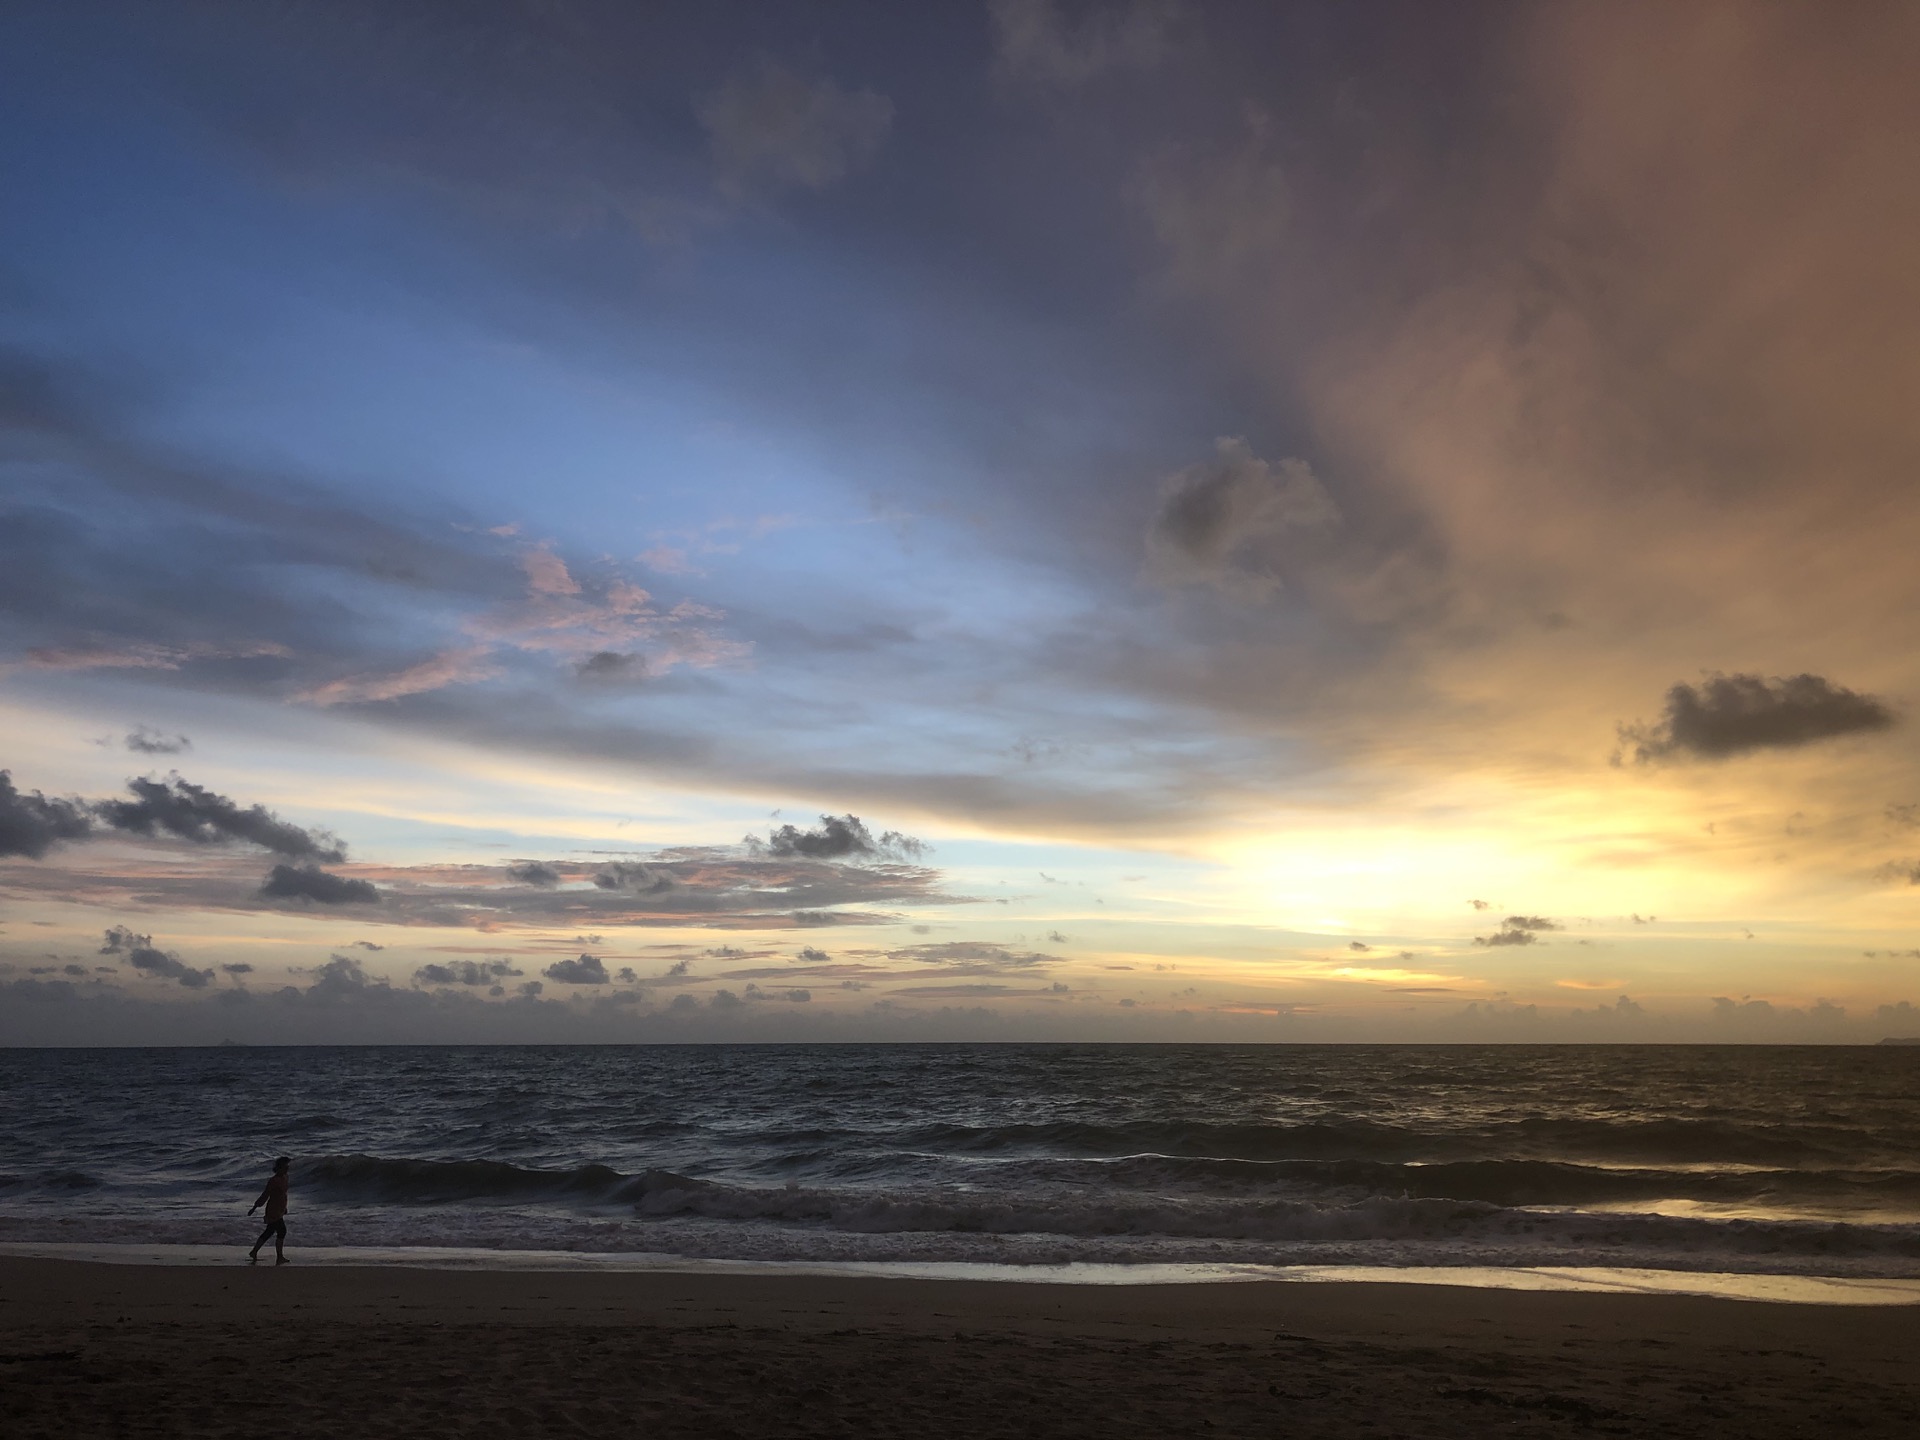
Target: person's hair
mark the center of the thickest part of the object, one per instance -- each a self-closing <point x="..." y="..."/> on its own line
<point x="283" y="1162"/>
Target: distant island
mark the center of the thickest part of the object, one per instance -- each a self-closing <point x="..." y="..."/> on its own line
<point x="1901" y="1040"/>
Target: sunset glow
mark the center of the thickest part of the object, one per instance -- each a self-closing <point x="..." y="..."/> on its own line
<point x="944" y="522"/>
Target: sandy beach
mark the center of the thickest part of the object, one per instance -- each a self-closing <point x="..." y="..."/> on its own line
<point x="132" y="1350"/>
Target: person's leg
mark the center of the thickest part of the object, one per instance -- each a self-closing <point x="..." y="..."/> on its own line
<point x="254" y="1254"/>
<point x="279" y="1242"/>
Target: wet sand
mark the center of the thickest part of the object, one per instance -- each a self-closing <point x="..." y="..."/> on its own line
<point x="137" y="1350"/>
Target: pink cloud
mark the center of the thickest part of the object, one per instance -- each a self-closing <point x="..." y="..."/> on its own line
<point x="450" y="667"/>
<point x="547" y="573"/>
<point x="140" y="657"/>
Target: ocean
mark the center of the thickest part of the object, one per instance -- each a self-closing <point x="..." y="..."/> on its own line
<point x="1765" y="1160"/>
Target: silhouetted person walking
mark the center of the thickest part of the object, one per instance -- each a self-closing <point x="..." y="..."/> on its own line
<point x="274" y="1197"/>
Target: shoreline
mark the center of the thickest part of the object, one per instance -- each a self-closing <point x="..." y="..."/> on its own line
<point x="1789" y="1289"/>
<point x="137" y="1349"/>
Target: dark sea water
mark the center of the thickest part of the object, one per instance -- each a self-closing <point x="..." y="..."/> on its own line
<point x="1774" y="1160"/>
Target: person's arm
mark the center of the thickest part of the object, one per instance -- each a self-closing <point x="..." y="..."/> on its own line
<point x="262" y="1200"/>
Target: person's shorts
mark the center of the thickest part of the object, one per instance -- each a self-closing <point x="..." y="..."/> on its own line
<point x="276" y="1226"/>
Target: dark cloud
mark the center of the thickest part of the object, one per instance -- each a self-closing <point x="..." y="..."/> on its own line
<point x="634" y="879"/>
<point x="812" y="955"/>
<point x="367" y="945"/>
<point x="754" y="992"/>
<point x="587" y="970"/>
<point x="971" y="953"/>
<point x="343" y="979"/>
<point x="840" y="837"/>
<point x="1517" y="930"/>
<point x="142" y="954"/>
<point x="467" y="972"/>
<point x="308" y="882"/>
<point x="143" y="740"/>
<point x="535" y="872"/>
<point x="191" y="812"/>
<point x="31" y="824"/>
<point x="1231" y="523"/>
<point x="238" y="967"/>
<point x="1732" y="714"/>
<point x="612" y="667"/>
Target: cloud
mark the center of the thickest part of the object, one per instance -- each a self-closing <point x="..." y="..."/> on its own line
<point x="839" y="837"/>
<point x="145" y="741"/>
<point x="699" y="886"/>
<point x="972" y="953"/>
<point x="810" y="955"/>
<point x="137" y="656"/>
<point x="343" y="979"/>
<point x="1517" y="930"/>
<point x="754" y="992"/>
<point x="1530" y="922"/>
<point x="536" y="873"/>
<point x="465" y="665"/>
<point x="587" y="970"/>
<point x="601" y="627"/>
<point x="1231" y="523"/>
<point x="771" y="128"/>
<point x="1223" y="221"/>
<point x="308" y="882"/>
<point x="634" y="879"/>
<point x="1733" y="714"/>
<point x="140" y="952"/>
<point x="238" y="967"/>
<point x="547" y="573"/>
<point x="1033" y="41"/>
<point x="1904" y="1017"/>
<point x="31" y="824"/>
<point x="466" y="972"/>
<point x="367" y="945"/>
<point x="612" y="667"/>
<point x="187" y="811"/>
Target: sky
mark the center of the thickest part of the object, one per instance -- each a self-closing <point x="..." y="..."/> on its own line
<point x="988" y="519"/>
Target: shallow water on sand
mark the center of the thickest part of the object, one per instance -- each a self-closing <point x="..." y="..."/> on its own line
<point x="1666" y="1158"/>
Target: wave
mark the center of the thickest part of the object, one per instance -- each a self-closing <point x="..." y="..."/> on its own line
<point x="371" y="1178"/>
<point x="1650" y="1141"/>
<point x="1504" y="1182"/>
<point x="54" y="1180"/>
<point x="658" y="1198"/>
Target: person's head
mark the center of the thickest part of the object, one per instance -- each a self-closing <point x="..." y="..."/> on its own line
<point x="280" y="1165"/>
